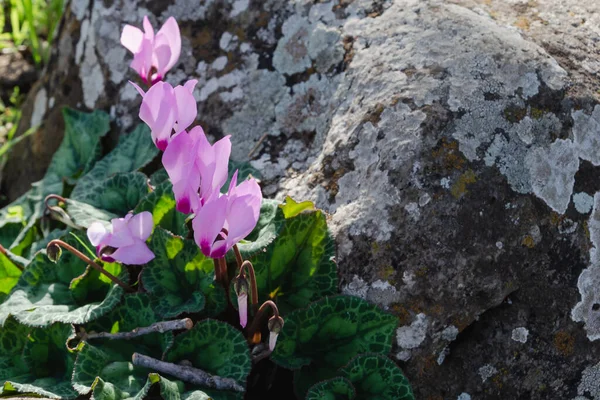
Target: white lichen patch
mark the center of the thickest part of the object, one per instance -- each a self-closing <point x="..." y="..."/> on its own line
<point x="357" y="287"/>
<point x="486" y="372"/>
<point x="325" y="47"/>
<point x="583" y="202"/>
<point x="238" y="7"/>
<point x="411" y="336"/>
<point x="464" y="396"/>
<point x="588" y="309"/>
<point x="450" y="333"/>
<point x="552" y="173"/>
<point x="586" y="133"/>
<point x="590" y="382"/>
<point x="39" y="107"/>
<point x="291" y="55"/>
<point x="520" y="335"/>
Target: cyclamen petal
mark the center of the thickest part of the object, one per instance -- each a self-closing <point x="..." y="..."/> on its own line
<point x="237" y="214"/>
<point x="272" y="340"/>
<point x="137" y="253"/>
<point x="208" y="223"/>
<point x="243" y="308"/>
<point x="165" y="109"/>
<point x="127" y="237"/>
<point x="153" y="54"/>
<point x="96" y="233"/>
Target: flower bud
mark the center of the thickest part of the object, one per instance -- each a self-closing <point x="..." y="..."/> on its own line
<point x="275" y="325"/>
<point x="53" y="252"/>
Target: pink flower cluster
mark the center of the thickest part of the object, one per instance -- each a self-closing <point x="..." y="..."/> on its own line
<point x="197" y="169"/>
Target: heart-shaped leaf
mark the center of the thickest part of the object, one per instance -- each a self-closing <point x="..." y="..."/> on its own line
<point x="332" y="389"/>
<point x="215" y="347"/>
<point x="161" y="203"/>
<point x="179" y="276"/>
<point x="77" y="151"/>
<point x="375" y="376"/>
<point x="45" y="294"/>
<point x="134" y="151"/>
<point x="298" y="266"/>
<point x="333" y="330"/>
<point x="49" y="364"/>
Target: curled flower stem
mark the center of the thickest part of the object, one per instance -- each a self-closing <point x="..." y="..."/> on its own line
<point x="242" y="273"/>
<point x="53" y="197"/>
<point x="186" y="373"/>
<point x="238" y="256"/>
<point x="86" y="259"/>
<point x="159" y="327"/>
<point x="253" y="333"/>
<point x="17" y="261"/>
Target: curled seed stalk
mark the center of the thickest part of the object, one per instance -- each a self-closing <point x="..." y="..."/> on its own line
<point x="254" y="335"/>
<point x="57" y="243"/>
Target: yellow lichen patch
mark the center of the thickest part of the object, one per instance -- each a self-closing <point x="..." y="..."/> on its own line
<point x="459" y="188"/>
<point x="436" y="310"/>
<point x="556" y="218"/>
<point x="536" y="113"/>
<point x="528" y="241"/>
<point x="564" y="343"/>
<point x="449" y="155"/>
<point x="522" y="23"/>
<point x="386" y="273"/>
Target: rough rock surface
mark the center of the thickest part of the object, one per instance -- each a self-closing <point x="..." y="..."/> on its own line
<point x="456" y="146"/>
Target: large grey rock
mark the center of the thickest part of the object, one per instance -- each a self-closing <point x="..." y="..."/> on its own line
<point x="456" y="153"/>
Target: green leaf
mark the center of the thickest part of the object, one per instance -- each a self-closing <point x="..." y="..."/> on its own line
<point x="135" y="311"/>
<point x="332" y="389"/>
<point x="49" y="364"/>
<point x="44" y="293"/>
<point x="332" y="331"/>
<point x="9" y="275"/>
<point x="134" y="151"/>
<point x="159" y="177"/>
<point x="298" y="266"/>
<point x="108" y="372"/>
<point x="83" y="214"/>
<point x="215" y="347"/>
<point x="13" y="337"/>
<point x="161" y="203"/>
<point x="118" y="194"/>
<point x="375" y="376"/>
<point x="42" y="243"/>
<point x="78" y="149"/>
<point x="270" y="222"/>
<point x="179" y="275"/>
<point x="291" y="208"/>
<point x="82" y="135"/>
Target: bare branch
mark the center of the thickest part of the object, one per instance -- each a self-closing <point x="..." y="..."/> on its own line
<point x="186" y="374"/>
<point x="159" y="327"/>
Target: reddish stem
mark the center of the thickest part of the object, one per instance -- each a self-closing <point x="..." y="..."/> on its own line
<point x="86" y="259"/>
<point x="253" y="333"/>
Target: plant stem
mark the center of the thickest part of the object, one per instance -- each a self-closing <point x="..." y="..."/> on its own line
<point x="224" y="275"/>
<point x="238" y="256"/>
<point x="14" y="259"/>
<point x="186" y="374"/>
<point x="159" y="327"/>
<point x="253" y="287"/>
<point x="257" y="318"/>
<point x="217" y="271"/>
<point x="86" y="259"/>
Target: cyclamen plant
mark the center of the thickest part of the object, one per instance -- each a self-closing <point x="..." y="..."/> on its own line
<point x="246" y="282"/>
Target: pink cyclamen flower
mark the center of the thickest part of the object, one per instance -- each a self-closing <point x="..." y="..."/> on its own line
<point x="126" y="242"/>
<point x="196" y="168"/>
<point x="166" y="110"/>
<point x="153" y="55"/>
<point x="225" y="220"/>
